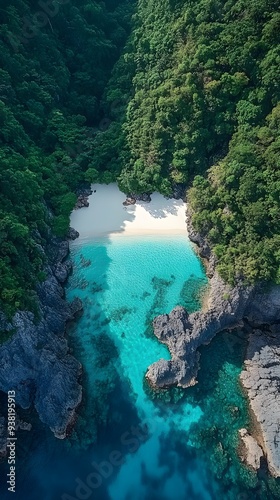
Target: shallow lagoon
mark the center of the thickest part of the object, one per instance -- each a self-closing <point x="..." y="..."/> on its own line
<point x="125" y="282"/>
<point x="130" y="442"/>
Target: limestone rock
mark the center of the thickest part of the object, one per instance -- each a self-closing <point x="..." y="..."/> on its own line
<point x="76" y="307"/>
<point x="261" y="378"/>
<point x="179" y="191"/>
<point x="140" y="197"/>
<point x="35" y="361"/>
<point x="81" y="202"/>
<point x="129" y="201"/>
<point x="252" y="451"/>
<point x="72" y="234"/>
<point x="184" y="333"/>
<point x="83" y="192"/>
<point x="265" y="307"/>
<point x="62" y="271"/>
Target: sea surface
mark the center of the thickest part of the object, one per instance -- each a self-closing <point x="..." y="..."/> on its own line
<point x="129" y="442"/>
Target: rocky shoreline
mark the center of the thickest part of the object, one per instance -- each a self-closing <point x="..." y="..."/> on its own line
<point x="83" y="194"/>
<point x="228" y="308"/>
<point x="35" y="361"/>
<point x="261" y="379"/>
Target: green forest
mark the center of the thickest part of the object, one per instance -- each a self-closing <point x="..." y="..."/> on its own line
<point x="55" y="60"/>
<point x="149" y="94"/>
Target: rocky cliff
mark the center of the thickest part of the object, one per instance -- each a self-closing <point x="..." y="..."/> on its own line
<point x="261" y="378"/>
<point x="227" y="308"/>
<point x="35" y="362"/>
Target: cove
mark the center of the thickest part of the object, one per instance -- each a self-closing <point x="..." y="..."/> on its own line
<point x="124" y="283"/>
<point x="130" y="442"/>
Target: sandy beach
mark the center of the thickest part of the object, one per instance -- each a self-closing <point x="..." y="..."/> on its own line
<point x="107" y="216"/>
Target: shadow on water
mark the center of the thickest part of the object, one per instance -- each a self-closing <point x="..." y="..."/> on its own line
<point x="52" y="466"/>
<point x="108" y="420"/>
<point x="108" y="410"/>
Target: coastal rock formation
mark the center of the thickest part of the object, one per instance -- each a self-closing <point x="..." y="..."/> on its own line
<point x="179" y="191"/>
<point x="81" y="202"/>
<point x="140" y="197"/>
<point x="184" y="333"/>
<point x="83" y="193"/>
<point x="62" y="271"/>
<point x="129" y="201"/>
<point x="251" y="452"/>
<point x="72" y="234"/>
<point x="201" y="244"/>
<point x="35" y="362"/>
<point x="261" y="378"/>
<point x="227" y="308"/>
<point x="265" y="308"/>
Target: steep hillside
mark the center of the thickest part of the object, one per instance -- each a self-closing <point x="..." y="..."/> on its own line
<point x="55" y="60"/>
<point x="196" y="87"/>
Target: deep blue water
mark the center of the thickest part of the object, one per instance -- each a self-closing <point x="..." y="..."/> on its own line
<point x="129" y="442"/>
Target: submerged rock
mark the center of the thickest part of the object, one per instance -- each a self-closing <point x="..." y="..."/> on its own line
<point x="261" y="378"/>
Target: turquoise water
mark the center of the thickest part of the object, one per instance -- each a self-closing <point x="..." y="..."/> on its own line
<point x="130" y="442"/>
<point x="125" y="283"/>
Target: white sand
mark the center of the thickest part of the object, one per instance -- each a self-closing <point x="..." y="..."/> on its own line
<point x="106" y="215"/>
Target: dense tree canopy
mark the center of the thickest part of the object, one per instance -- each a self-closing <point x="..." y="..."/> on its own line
<point x="55" y="60"/>
<point x="237" y="206"/>
<point x="190" y="97"/>
<point x="197" y="86"/>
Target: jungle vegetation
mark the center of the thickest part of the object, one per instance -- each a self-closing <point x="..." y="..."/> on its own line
<point x="55" y="61"/>
<point x="195" y="100"/>
<point x="150" y="94"/>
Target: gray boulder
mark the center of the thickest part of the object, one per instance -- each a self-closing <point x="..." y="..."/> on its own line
<point x="72" y="234"/>
<point x="251" y="452"/>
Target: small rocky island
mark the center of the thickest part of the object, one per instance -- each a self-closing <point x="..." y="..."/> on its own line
<point x="227" y="308"/>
